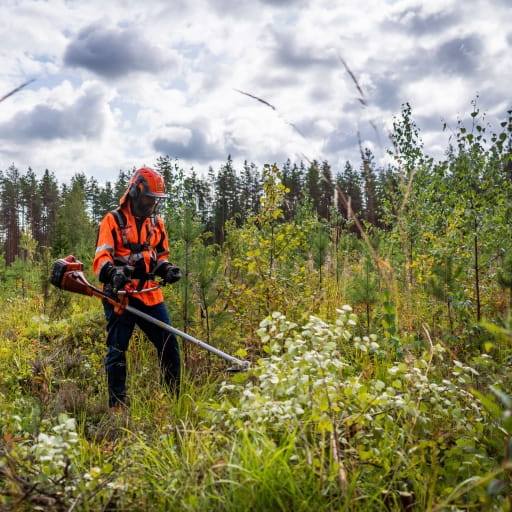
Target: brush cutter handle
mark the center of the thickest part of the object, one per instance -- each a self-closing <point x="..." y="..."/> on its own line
<point x="138" y="292"/>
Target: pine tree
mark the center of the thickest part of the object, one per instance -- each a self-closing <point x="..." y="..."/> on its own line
<point x="31" y="205"/>
<point x="350" y="183"/>
<point x="226" y="199"/>
<point x="369" y="178"/>
<point x="325" y="190"/>
<point x="11" y="208"/>
<point x="293" y="178"/>
<point x="50" y="200"/>
<point x="106" y="201"/>
<point x="75" y="233"/>
<point x="92" y="192"/>
<point x="312" y="185"/>
<point x="121" y="183"/>
<point x="250" y="190"/>
<point x="174" y="178"/>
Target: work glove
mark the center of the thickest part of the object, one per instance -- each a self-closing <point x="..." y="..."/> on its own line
<point x="119" y="277"/>
<point x="172" y="274"/>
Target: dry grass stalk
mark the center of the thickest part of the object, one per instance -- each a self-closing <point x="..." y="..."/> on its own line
<point x="16" y="90"/>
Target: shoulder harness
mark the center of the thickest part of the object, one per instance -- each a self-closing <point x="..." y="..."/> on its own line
<point x="136" y="248"/>
<point x="133" y="247"/>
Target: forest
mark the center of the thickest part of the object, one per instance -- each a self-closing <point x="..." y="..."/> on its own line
<point x="373" y="304"/>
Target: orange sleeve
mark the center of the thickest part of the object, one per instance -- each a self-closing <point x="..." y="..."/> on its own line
<point x="162" y="248"/>
<point x="105" y="243"/>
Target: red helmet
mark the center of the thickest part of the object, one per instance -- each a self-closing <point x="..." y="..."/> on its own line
<point x="147" y="182"/>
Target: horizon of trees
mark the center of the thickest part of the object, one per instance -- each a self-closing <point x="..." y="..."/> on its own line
<point x="61" y="216"/>
<point x="39" y="214"/>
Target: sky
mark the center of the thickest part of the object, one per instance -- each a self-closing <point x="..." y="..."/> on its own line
<point x="113" y="85"/>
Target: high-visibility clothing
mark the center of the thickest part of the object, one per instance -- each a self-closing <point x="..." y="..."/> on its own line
<point x="140" y="243"/>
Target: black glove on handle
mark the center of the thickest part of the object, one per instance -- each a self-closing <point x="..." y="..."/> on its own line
<point x="172" y="274"/>
<point x="168" y="272"/>
<point x="119" y="277"/>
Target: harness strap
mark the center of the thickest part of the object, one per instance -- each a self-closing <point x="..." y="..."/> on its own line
<point x="136" y="248"/>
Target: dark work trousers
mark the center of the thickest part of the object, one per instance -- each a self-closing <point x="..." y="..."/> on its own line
<point x="120" y="329"/>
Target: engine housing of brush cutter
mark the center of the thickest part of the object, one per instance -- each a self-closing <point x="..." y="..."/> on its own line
<point x="66" y="274"/>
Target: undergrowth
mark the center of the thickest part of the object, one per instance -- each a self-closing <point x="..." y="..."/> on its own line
<point x="325" y="420"/>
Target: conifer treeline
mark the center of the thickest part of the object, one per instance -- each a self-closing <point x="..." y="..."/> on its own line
<point x="468" y="192"/>
<point x="64" y="216"/>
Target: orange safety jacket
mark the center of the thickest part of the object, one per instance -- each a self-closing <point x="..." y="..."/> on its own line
<point x="145" y="247"/>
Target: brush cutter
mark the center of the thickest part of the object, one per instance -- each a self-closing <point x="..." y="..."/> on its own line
<point x="67" y="274"/>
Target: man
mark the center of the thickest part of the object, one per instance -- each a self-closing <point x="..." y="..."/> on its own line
<point x="131" y="251"/>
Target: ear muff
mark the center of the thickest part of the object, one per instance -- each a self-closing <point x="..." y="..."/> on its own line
<point x="135" y="190"/>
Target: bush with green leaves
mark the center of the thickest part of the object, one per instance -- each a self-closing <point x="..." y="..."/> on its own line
<point x="392" y="421"/>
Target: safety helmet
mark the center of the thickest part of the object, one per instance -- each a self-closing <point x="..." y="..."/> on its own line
<point x="145" y="182"/>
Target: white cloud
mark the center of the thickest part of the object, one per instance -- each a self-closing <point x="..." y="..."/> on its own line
<point x="116" y="83"/>
<point x="439" y="96"/>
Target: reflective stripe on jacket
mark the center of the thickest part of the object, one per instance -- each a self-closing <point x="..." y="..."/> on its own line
<point x="148" y="248"/>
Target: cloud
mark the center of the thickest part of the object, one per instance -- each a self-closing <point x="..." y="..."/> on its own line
<point x="341" y="139"/>
<point x="283" y="3"/>
<point x="113" y="53"/>
<point x="417" y="22"/>
<point x="291" y="54"/>
<point x="85" y="118"/>
<point x="184" y="63"/>
<point x="459" y="55"/>
<point x="187" y="143"/>
<point x="387" y="92"/>
<point x="432" y="23"/>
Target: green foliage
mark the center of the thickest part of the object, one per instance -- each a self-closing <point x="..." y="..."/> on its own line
<point x="75" y="231"/>
<point x="444" y="285"/>
<point x="409" y="411"/>
<point x="267" y="250"/>
<point x="320" y="246"/>
<point x="207" y="261"/>
<point x="364" y="289"/>
<point x="314" y="383"/>
<point x="505" y="276"/>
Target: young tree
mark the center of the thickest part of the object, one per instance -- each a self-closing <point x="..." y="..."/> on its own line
<point x="445" y="285"/>
<point x="266" y="250"/>
<point x="206" y="267"/>
<point x="319" y="243"/>
<point x="364" y="289"/>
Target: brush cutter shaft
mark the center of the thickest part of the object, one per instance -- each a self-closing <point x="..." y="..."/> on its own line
<point x="169" y="328"/>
